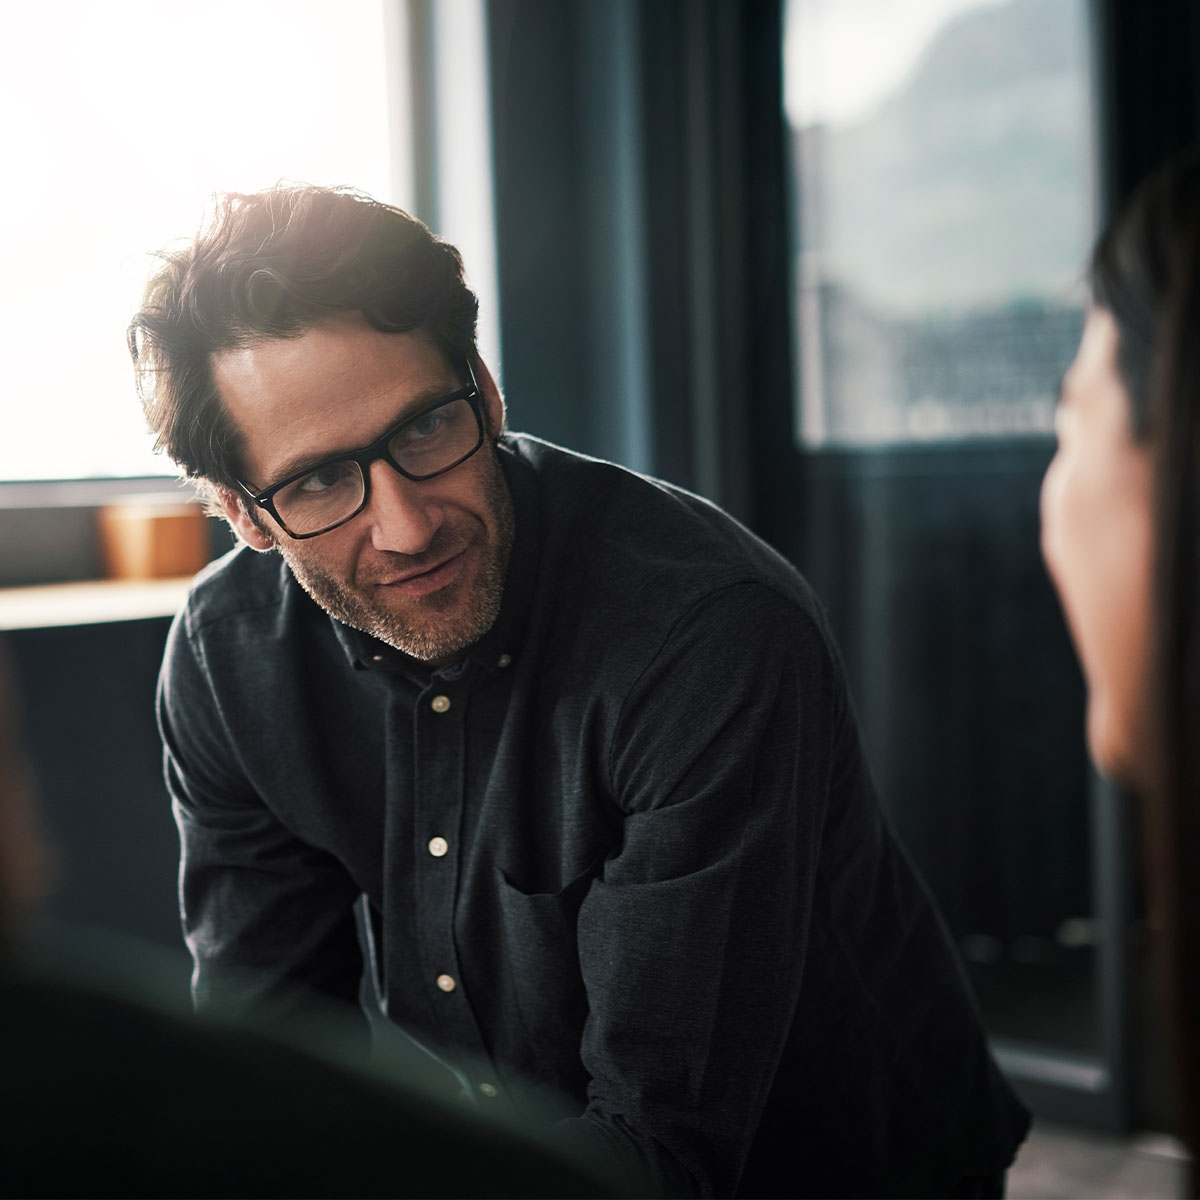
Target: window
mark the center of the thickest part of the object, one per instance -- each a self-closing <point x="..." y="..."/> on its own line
<point x="124" y="117"/>
<point x="944" y="211"/>
<point x="943" y="215"/>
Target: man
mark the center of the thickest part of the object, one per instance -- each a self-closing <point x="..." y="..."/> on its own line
<point x="580" y="740"/>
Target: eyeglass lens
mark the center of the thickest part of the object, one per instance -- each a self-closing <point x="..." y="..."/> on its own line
<point x="427" y="445"/>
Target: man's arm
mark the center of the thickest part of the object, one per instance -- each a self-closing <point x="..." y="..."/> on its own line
<point x="692" y="942"/>
<point x="268" y="918"/>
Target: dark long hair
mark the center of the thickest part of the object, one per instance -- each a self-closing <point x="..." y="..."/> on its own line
<point x="1146" y="273"/>
<point x="273" y="264"/>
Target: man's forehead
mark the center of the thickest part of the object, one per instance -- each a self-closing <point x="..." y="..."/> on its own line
<point x="331" y="388"/>
<point x="337" y="345"/>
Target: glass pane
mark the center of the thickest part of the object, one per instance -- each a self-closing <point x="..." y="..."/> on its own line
<point x="944" y="212"/>
<point x="943" y="192"/>
<point x="123" y="118"/>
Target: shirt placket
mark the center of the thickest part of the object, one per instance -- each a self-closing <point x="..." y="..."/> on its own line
<point x="439" y="757"/>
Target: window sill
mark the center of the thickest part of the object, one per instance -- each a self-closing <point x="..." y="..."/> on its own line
<point x="96" y="602"/>
<point x="87" y="493"/>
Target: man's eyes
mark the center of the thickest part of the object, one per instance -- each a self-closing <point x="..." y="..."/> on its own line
<point x="427" y="425"/>
<point x="422" y="431"/>
<point x="321" y="480"/>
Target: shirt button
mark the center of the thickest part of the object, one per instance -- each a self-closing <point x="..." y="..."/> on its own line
<point x="440" y="704"/>
<point x="504" y="660"/>
<point x="489" y="1089"/>
<point x="446" y="983"/>
<point x="438" y="846"/>
<point x="377" y="658"/>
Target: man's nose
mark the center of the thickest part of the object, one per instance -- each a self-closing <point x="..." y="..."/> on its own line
<point x="404" y="515"/>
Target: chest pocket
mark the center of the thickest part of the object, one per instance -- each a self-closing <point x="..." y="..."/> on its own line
<point x="540" y="932"/>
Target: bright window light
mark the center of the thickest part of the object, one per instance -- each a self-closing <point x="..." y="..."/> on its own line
<point x="122" y="119"/>
<point x="944" y="204"/>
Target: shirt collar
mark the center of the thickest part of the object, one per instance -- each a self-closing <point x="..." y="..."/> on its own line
<point x="502" y="643"/>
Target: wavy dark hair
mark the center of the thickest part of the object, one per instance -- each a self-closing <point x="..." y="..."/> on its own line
<point x="273" y="264"/>
<point x="1146" y="273"/>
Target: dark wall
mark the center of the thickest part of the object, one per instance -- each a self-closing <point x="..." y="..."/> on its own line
<point x="1148" y="87"/>
<point x="640" y="206"/>
<point x="538" y="155"/>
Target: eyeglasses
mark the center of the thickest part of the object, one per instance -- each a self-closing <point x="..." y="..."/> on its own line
<point x="329" y="494"/>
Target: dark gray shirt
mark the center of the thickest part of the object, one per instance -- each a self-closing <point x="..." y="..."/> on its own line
<point x="625" y="847"/>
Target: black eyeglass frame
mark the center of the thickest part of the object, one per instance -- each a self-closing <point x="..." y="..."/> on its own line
<point x="365" y="456"/>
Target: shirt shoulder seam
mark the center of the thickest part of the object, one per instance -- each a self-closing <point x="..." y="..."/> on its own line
<point x="742" y="580"/>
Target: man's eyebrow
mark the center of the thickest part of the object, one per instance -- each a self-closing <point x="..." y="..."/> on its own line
<point x="422" y="400"/>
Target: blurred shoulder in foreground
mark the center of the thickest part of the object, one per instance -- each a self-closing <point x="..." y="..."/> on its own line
<point x="112" y="1088"/>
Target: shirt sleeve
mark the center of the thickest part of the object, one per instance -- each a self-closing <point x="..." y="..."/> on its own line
<point x="692" y="941"/>
<point x="268" y="919"/>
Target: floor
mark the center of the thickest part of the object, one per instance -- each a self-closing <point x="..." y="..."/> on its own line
<point x="1065" y="1164"/>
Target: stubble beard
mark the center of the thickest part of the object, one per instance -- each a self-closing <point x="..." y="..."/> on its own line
<point x="440" y="625"/>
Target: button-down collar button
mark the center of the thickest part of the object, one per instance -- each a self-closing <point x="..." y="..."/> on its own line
<point x="504" y="660"/>
<point x="447" y="983"/>
<point x="489" y="1089"/>
<point x="438" y="846"/>
<point x="440" y="704"/>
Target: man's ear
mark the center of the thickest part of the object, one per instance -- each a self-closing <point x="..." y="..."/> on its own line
<point x="239" y="519"/>
<point x="492" y="399"/>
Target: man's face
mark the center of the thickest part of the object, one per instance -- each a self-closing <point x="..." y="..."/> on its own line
<point x="422" y="566"/>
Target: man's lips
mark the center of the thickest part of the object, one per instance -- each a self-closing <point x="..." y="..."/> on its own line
<point x="421" y="583"/>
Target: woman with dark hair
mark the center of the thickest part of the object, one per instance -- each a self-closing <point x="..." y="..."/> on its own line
<point x="1121" y="537"/>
